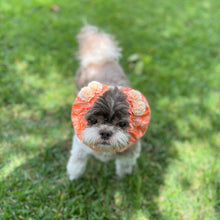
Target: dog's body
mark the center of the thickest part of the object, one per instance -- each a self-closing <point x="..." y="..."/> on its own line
<point x="99" y="54"/>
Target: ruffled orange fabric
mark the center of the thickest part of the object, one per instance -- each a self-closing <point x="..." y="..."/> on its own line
<point x="138" y="123"/>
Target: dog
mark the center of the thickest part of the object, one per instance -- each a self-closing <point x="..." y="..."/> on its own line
<point x="108" y="116"/>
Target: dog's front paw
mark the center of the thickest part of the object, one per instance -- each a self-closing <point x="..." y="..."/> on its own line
<point x="73" y="176"/>
<point x="75" y="168"/>
<point x="73" y="172"/>
<point x="122" y="170"/>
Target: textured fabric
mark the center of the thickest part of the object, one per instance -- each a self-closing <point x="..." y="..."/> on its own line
<point x="139" y="110"/>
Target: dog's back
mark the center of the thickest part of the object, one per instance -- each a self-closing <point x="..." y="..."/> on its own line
<point x="98" y="55"/>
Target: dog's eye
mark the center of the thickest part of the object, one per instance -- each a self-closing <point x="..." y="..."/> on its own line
<point x="122" y="124"/>
<point x="92" y="121"/>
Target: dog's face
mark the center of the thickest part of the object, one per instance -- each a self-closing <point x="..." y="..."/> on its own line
<point x="108" y="122"/>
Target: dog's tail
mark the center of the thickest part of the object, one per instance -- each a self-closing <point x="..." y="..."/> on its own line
<point x="96" y="47"/>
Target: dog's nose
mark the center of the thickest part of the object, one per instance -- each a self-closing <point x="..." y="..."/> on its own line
<point x="105" y="134"/>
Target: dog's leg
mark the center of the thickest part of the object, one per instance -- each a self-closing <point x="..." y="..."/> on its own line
<point x="127" y="159"/>
<point x="77" y="162"/>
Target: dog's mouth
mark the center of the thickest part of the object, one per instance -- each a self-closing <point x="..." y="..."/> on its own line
<point x="105" y="143"/>
<point x="104" y="146"/>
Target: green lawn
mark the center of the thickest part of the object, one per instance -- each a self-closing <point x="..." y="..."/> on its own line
<point x="178" y="69"/>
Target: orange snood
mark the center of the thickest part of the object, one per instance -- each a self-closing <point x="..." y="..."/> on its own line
<point x="139" y="110"/>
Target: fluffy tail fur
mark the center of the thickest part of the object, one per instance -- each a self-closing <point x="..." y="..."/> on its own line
<point x="96" y="47"/>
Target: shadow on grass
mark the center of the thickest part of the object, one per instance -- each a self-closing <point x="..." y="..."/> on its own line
<point x="40" y="188"/>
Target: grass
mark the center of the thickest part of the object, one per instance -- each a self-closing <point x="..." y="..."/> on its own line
<point x="177" y="48"/>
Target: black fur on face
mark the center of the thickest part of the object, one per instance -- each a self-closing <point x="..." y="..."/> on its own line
<point x="110" y="108"/>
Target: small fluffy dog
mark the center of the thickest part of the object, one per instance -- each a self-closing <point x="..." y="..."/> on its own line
<point x="108" y="116"/>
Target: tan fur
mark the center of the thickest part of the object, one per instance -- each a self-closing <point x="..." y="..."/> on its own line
<point x="109" y="73"/>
